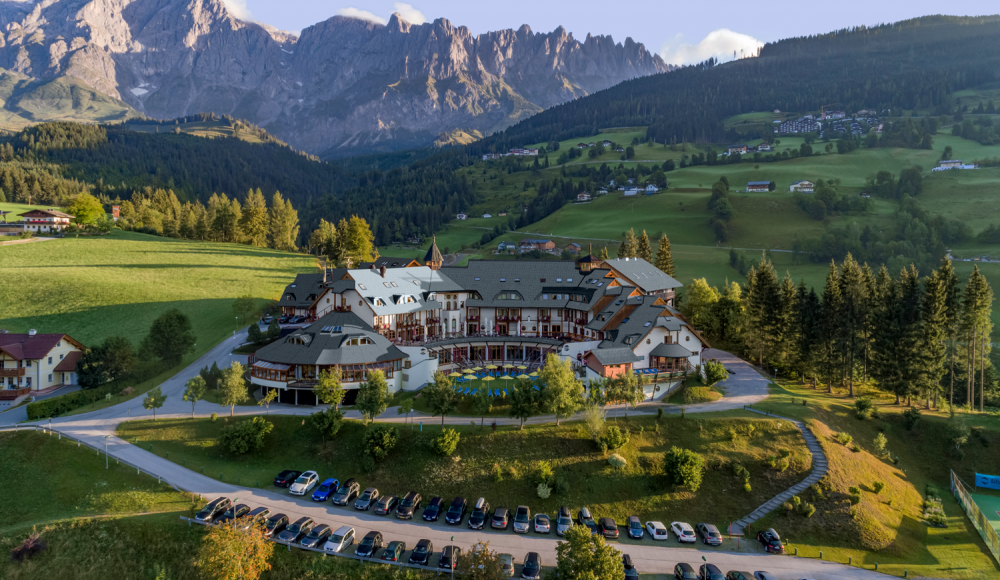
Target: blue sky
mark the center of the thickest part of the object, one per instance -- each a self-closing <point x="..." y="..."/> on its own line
<point x="681" y="31"/>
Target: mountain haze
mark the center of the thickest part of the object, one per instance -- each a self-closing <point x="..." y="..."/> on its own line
<point x="345" y="85"/>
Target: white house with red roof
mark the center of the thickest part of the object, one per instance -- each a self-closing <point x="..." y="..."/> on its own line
<point x="45" y="220"/>
<point x="35" y="362"/>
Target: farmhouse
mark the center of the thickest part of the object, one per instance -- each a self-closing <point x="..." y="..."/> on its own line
<point x="950" y="164"/>
<point x="528" y="245"/>
<point x="609" y="317"/>
<point x="764" y="147"/>
<point x="583" y="196"/>
<point x="486" y="215"/>
<point x="45" y="220"/>
<point x="802" y="187"/>
<point x="573" y="248"/>
<point x="651" y="189"/>
<point x="506" y="247"/>
<point x="35" y="362"/>
<point x="758" y="185"/>
<point x="461" y="216"/>
<point x="524" y="152"/>
<point x="737" y="149"/>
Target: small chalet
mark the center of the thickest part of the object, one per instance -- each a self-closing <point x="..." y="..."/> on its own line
<point x="461" y="216"/>
<point x="950" y="164"/>
<point x="758" y="186"/>
<point x="45" y="220"/>
<point x="35" y="362"/>
<point x="528" y="245"/>
<point x="506" y="247"/>
<point x="763" y="147"/>
<point x="607" y="143"/>
<point x="573" y="248"/>
<point x="737" y="149"/>
<point x="583" y="196"/>
<point x="651" y="189"/>
<point x="581" y="145"/>
<point x="802" y="187"/>
<point x="486" y="215"/>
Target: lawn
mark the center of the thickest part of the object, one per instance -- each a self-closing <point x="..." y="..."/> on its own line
<point x="638" y="489"/>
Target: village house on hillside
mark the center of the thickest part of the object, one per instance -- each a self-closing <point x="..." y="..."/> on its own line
<point x="802" y="187"/>
<point x="758" y="186"/>
<point x="528" y="245"/>
<point x="583" y="196"/>
<point x="35" y="362"/>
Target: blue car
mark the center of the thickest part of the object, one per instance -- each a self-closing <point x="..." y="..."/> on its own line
<point x="326" y="489"/>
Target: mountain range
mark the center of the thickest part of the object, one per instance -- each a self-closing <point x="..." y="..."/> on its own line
<point x="341" y="87"/>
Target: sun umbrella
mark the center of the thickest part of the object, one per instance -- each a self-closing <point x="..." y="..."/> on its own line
<point x="491" y="367"/>
<point x="523" y="376"/>
<point x="522" y="368"/>
<point x="477" y="368"/>
<point x="455" y="375"/>
<point x="534" y="374"/>
<point x="468" y="371"/>
<point x="488" y="378"/>
<point x="508" y="366"/>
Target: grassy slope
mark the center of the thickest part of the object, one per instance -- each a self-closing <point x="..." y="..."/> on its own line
<point x="94" y="287"/>
<point x="638" y="490"/>
<point x="210" y="129"/>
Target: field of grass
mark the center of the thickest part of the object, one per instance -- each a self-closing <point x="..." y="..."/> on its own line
<point x="18" y="208"/>
<point x="94" y="287"/>
<point x="638" y="489"/>
<point x="210" y="129"/>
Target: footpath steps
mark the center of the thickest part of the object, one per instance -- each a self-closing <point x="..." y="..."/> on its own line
<point x="819" y="470"/>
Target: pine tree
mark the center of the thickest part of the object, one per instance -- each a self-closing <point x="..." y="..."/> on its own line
<point x="664" y="257"/>
<point x="953" y="306"/>
<point x="642" y="249"/>
<point x="851" y="318"/>
<point x="254" y="222"/>
<point x="908" y="342"/>
<point x="931" y="347"/>
<point x="629" y="245"/>
<point x="604" y="254"/>
<point x="284" y="224"/>
<point x="970" y="322"/>
<point x="829" y="323"/>
<point x="788" y="328"/>
<point x="808" y="320"/>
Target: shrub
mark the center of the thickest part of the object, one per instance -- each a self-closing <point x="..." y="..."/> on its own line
<point x="783" y="464"/>
<point x="863" y="407"/>
<point x="880" y="443"/>
<point x="684" y="467"/>
<point x="796" y="501"/>
<point x="28" y="548"/>
<point x="855" y="498"/>
<point x="562" y="486"/>
<point x="788" y="507"/>
<point x="617" y="461"/>
<point x="808" y="510"/>
<point x="844" y="438"/>
<point x="215" y="416"/>
<point x="659" y="414"/>
<point x="746" y="487"/>
<point x="246" y="436"/>
<point x="446" y="443"/>
<point x="855" y="448"/>
<point x="615" y="438"/>
<point x="61" y="404"/>
<point x="545" y="473"/>
<point x="544" y="491"/>
<point x="497" y="473"/>
<point x="853" y="489"/>
<point x="878" y="486"/>
<point x="379" y="440"/>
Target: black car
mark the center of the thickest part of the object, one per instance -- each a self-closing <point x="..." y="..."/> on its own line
<point x="213" y="509"/>
<point x="296" y="530"/>
<point x="609" y="528"/>
<point x="771" y="540"/>
<point x="738" y="575"/>
<point x="275" y="525"/>
<point x="501" y="519"/>
<point x="369" y="544"/>
<point x="479" y="514"/>
<point x="449" y="557"/>
<point x="422" y="553"/>
<point x="532" y="568"/>
<point x="634" y="527"/>
<point x="256" y="517"/>
<point x="286" y="478"/>
<point x="630" y="572"/>
<point x="433" y="510"/>
<point x="347" y="492"/>
<point x="394" y="551"/>
<point x="386" y="504"/>
<point x="710" y="572"/>
<point x="585" y="519"/>
<point x="234" y="513"/>
<point x="317" y="536"/>
<point x="409" y="506"/>
<point x="456" y="512"/>
<point x="367" y="499"/>
<point x="684" y="571"/>
<point x="709" y="534"/>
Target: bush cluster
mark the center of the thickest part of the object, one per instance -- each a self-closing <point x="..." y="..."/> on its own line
<point x="379" y="441"/>
<point x="446" y="443"/>
<point x="615" y="438"/>
<point x="246" y="436"/>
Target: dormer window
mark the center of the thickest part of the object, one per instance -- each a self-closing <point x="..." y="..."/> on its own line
<point x="386" y="284"/>
<point x="362" y="286"/>
<point x="503" y="279"/>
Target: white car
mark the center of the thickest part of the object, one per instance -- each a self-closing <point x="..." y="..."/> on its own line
<point x="657" y="530"/>
<point x="684" y="532"/>
<point x="340" y="540"/>
<point x="304" y="483"/>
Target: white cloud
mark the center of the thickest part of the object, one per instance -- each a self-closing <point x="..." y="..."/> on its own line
<point x="362" y="14"/>
<point x="409" y="13"/>
<point x="238" y="8"/>
<point x="719" y="43"/>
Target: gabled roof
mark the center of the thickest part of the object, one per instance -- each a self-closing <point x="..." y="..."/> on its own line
<point x="390" y="262"/>
<point x="670" y="351"/>
<point x="641" y="273"/>
<point x="383" y="292"/>
<point x="615" y="356"/>
<point x="48" y="212"/>
<point x="68" y="364"/>
<point x="307" y="288"/>
<point x="324" y="342"/>
<point x="28" y="347"/>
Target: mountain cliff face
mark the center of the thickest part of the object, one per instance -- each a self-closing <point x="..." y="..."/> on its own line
<point x="345" y="85"/>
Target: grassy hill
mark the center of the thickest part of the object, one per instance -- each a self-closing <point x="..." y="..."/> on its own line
<point x="26" y="101"/>
<point x="95" y="287"/>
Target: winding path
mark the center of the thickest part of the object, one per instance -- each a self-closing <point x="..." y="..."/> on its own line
<point x="745" y="387"/>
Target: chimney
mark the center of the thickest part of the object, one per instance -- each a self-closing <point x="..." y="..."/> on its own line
<point x="32" y="332"/>
<point x="324" y="275"/>
<point x="372" y="267"/>
<point x="382" y="270"/>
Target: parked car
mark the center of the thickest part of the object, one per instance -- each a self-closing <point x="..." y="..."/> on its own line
<point x="367" y="499"/>
<point x="386" y="504"/>
<point x="657" y="530"/>
<point x="346" y="493"/>
<point x="326" y="489"/>
<point x="409" y="506"/>
<point x="609" y="528"/>
<point x="710" y="572"/>
<point x="433" y="510"/>
<point x="456" y="511"/>
<point x="684" y="571"/>
<point x="634" y="527"/>
<point x="275" y="525"/>
<point x="585" y="519"/>
<point x="286" y="478"/>
<point x="422" y="553"/>
<point x="542" y="524"/>
<point x="683" y="532"/>
<point x="532" y="567"/>
<point x="449" y="557"/>
<point x="317" y="536"/>
<point x="255" y="517"/>
<point x="630" y="571"/>
<point x="340" y="539"/>
<point x="234" y="512"/>
<point x="394" y="551"/>
<point x="522" y="520"/>
<point x="507" y="564"/>
<point x="481" y="511"/>
<point x="501" y="519"/>
<point x="268" y="319"/>
<point x="709" y="534"/>
<point x="738" y="575"/>
<point x="369" y="544"/>
<point x="563" y="521"/>
<point x="213" y="509"/>
<point x="296" y="530"/>
<point x="761" y="575"/>
<point x="771" y="540"/>
<point x="283" y="319"/>
<point x="304" y="483"/>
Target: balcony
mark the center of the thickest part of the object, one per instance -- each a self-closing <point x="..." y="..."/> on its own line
<point x="19" y="372"/>
<point x="433" y="321"/>
<point x="473" y="317"/>
<point x="544" y="318"/>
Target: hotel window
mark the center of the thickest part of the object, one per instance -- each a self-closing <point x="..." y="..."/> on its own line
<point x="50" y="360"/>
<point x="50" y="377"/>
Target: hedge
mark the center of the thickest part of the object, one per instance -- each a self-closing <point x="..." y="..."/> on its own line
<point x="71" y="401"/>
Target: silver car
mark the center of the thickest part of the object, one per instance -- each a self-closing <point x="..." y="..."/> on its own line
<point x="340" y="540"/>
<point x="564" y="521"/>
<point x="522" y="520"/>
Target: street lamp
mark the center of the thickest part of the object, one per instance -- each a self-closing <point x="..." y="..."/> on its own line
<point x="235" y="500"/>
<point x="107" y="462"/>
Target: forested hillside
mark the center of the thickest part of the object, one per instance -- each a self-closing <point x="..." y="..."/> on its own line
<point x="914" y="64"/>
